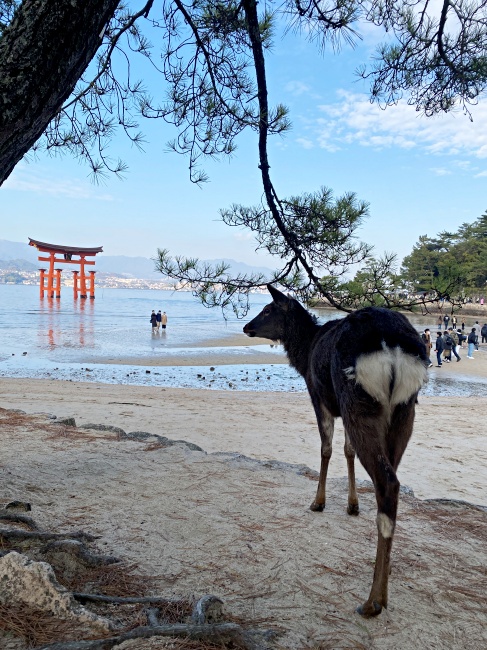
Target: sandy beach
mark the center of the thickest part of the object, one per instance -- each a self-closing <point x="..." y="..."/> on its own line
<point x="445" y="458"/>
<point x="224" y="519"/>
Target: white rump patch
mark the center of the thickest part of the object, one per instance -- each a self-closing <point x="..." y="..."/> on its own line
<point x="385" y="525"/>
<point x="375" y="371"/>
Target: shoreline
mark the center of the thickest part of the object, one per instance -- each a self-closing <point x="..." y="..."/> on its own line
<point x="219" y="353"/>
<point x="219" y="364"/>
<point x="469" y="309"/>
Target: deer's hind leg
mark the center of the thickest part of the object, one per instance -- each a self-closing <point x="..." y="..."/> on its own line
<point x="380" y="453"/>
<point x="353" y="507"/>
<point x="401" y="429"/>
<point x="326" y="425"/>
<point x="387" y="495"/>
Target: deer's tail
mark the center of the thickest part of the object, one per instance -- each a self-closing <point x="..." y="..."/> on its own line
<point x="390" y="375"/>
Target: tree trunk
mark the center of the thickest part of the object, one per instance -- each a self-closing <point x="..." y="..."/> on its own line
<point x="43" y="53"/>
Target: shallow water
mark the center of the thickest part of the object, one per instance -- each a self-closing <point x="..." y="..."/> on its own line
<point x="61" y="339"/>
<point x="115" y="324"/>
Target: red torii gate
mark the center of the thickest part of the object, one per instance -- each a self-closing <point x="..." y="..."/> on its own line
<point x="82" y="284"/>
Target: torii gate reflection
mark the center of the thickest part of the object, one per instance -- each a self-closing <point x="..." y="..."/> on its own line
<point x="58" y="333"/>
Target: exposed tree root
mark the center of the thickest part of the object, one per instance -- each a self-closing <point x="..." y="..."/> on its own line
<point x="152" y="614"/>
<point x="75" y="565"/>
<point x="24" y="506"/>
<point x="19" y="519"/>
<point x="224" y="633"/>
<point x="21" y="535"/>
<point x="77" y="549"/>
<point x="116" y="600"/>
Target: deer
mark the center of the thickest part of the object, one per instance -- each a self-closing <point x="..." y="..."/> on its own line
<point x="366" y="368"/>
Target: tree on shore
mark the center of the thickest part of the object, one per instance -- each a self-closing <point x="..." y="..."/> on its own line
<point x="450" y="262"/>
<point x="212" y="57"/>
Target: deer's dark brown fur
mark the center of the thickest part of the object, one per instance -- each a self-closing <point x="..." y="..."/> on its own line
<point x="367" y="369"/>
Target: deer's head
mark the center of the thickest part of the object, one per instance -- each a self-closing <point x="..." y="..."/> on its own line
<point x="270" y="323"/>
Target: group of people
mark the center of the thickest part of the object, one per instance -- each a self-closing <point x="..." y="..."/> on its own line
<point x="444" y="320"/>
<point x="158" y="321"/>
<point x="451" y="340"/>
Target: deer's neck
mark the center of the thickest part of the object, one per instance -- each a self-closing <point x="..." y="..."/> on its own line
<point x="298" y="341"/>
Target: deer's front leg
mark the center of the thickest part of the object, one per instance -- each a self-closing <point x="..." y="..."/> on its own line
<point x="326" y="424"/>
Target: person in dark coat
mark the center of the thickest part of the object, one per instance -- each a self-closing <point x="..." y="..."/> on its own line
<point x="159" y="317"/>
<point x="448" y="346"/>
<point x="483" y="333"/>
<point x="440" y="346"/>
<point x="153" y="320"/>
<point x="472" y="340"/>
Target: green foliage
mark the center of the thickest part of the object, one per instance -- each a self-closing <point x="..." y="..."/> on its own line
<point x="308" y="234"/>
<point x="319" y="232"/>
<point x="212" y="285"/>
<point x="323" y="229"/>
<point x="201" y="50"/>
<point x="376" y="284"/>
<point x="451" y="264"/>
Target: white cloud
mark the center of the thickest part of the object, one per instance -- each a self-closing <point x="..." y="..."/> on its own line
<point x="280" y="144"/>
<point x="441" y="171"/>
<point x="354" y="120"/>
<point x="25" y="179"/>
<point x="463" y="164"/>
<point x="306" y="143"/>
<point x="297" y="87"/>
<point x="481" y="174"/>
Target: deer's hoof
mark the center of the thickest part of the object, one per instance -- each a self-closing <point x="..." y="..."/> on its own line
<point x="353" y="509"/>
<point x="369" y="608"/>
<point x="317" y="507"/>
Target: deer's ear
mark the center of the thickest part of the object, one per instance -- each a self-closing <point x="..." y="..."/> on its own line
<point x="279" y="298"/>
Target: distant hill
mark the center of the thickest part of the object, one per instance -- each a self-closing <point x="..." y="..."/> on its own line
<point x="22" y="257"/>
<point x="14" y="250"/>
<point x="18" y="265"/>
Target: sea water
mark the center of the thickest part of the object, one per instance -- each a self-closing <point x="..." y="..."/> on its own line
<point x="115" y="324"/>
<point x="78" y="340"/>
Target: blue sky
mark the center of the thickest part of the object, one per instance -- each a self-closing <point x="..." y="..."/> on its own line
<point x="420" y="175"/>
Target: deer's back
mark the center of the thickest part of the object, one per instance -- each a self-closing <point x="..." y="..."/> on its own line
<point x="373" y="351"/>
